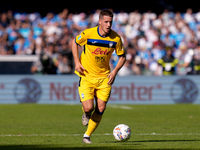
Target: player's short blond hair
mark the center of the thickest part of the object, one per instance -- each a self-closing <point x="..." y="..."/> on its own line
<point x="105" y="12"/>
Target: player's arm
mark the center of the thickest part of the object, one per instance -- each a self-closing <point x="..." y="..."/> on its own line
<point x="112" y="75"/>
<point x="122" y="58"/>
<point x="78" y="66"/>
<point x="80" y="40"/>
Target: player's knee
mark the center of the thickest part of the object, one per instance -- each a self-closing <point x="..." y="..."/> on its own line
<point x="88" y="109"/>
<point x="100" y="110"/>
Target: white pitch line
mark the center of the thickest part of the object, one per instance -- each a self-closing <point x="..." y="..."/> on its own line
<point x="106" y="134"/>
<point x="168" y="134"/>
<point x="120" y="107"/>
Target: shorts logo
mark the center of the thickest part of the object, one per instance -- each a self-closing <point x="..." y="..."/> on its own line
<point x="82" y="95"/>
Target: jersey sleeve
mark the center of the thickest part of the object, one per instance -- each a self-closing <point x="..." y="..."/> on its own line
<point x="81" y="39"/>
<point x="119" y="48"/>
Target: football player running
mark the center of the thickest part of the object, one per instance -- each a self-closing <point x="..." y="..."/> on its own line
<point x="96" y="77"/>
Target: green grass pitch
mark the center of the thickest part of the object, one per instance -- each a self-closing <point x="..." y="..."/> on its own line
<point x="32" y="126"/>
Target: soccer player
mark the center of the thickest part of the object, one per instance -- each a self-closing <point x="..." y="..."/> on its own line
<point x="96" y="77"/>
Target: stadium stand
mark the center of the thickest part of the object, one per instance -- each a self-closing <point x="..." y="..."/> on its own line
<point x="145" y="37"/>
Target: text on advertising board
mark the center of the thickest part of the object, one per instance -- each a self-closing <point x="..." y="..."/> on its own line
<point x="59" y="91"/>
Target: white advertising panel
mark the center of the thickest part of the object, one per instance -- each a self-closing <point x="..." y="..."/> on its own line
<point x="63" y="89"/>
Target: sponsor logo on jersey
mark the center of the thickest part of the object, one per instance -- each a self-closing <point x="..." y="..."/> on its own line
<point x="99" y="51"/>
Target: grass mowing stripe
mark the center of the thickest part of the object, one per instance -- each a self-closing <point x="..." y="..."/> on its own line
<point x="30" y="126"/>
<point x="138" y="134"/>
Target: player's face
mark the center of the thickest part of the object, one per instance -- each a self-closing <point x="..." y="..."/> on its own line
<point x="105" y="23"/>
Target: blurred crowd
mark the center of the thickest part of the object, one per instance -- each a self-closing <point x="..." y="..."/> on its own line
<point x="146" y="37"/>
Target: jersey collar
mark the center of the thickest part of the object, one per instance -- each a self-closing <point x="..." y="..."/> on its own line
<point x="100" y="34"/>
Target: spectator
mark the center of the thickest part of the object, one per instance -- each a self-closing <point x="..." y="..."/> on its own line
<point x="167" y="64"/>
<point x="125" y="70"/>
<point x="83" y="23"/>
<point x="49" y="60"/>
<point x="19" y="45"/>
<point x="4" y="20"/>
<point x="143" y="35"/>
<point x="12" y="31"/>
<point x="122" y="17"/>
<point x="195" y="65"/>
<point x="185" y="58"/>
<point x="64" y="66"/>
<point x="188" y="16"/>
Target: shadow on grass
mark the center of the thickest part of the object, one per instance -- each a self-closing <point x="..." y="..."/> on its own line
<point x="54" y="147"/>
<point x="93" y="147"/>
<point x="142" y="141"/>
<point x="135" y="143"/>
<point x="164" y="141"/>
<point x="46" y="147"/>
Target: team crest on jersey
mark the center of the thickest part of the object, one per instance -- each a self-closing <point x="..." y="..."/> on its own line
<point x="110" y="44"/>
<point x="79" y="37"/>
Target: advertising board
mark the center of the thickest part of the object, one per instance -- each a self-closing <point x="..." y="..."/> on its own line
<point x="63" y="89"/>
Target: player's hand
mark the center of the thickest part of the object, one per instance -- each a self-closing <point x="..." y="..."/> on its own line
<point x="79" y="68"/>
<point x="111" y="77"/>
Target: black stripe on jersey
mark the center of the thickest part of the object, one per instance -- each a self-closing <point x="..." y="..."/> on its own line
<point x="79" y="83"/>
<point x="84" y="49"/>
<point x="102" y="43"/>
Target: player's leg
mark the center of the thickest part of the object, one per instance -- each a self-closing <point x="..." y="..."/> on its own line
<point x="88" y="107"/>
<point x="96" y="117"/>
<point x="86" y="92"/>
<point x="102" y="93"/>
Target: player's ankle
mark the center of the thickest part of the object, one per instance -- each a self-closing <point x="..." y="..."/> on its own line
<point x="86" y="136"/>
<point x="88" y="115"/>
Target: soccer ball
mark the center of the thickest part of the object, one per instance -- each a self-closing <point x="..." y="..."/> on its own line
<point x="122" y="132"/>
